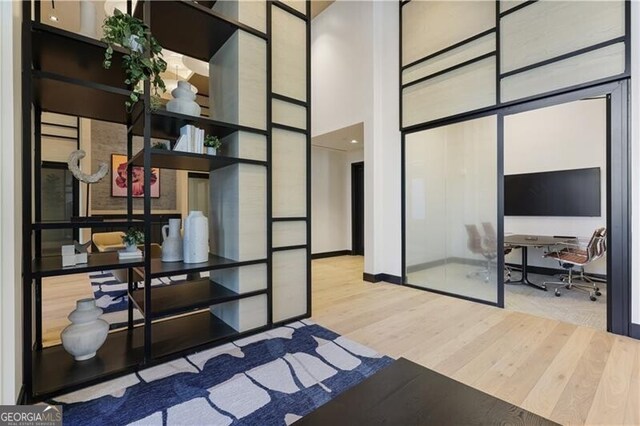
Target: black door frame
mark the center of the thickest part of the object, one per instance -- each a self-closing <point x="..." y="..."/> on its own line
<point x="618" y="201"/>
<point x="354" y="211"/>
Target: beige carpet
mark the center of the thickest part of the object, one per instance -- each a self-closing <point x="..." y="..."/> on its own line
<point x="572" y="306"/>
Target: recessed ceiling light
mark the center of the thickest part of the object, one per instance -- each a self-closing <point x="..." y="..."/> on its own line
<point x="354" y="141"/>
<point x="53" y="18"/>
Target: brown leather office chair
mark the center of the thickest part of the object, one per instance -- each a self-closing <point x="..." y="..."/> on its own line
<point x="573" y="255"/>
<point x="491" y="240"/>
<point x="478" y="245"/>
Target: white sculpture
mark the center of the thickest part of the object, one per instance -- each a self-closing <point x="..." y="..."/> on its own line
<point x="183" y="101"/>
<point x="74" y="166"/>
<point x="87" y="331"/>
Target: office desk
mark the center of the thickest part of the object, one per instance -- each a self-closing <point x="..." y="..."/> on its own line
<point x="523" y="242"/>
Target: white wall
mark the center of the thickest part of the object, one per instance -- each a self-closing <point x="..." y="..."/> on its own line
<point x="354" y="74"/>
<point x="562" y="137"/>
<point x="10" y="192"/>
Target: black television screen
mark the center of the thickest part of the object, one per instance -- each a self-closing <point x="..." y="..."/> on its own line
<point x="558" y="193"/>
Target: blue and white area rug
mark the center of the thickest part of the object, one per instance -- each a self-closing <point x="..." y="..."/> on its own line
<point x="271" y="378"/>
<point x="111" y="296"/>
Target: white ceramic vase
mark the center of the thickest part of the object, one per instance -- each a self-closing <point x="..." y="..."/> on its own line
<point x="88" y="18"/>
<point x="196" y="238"/>
<point x="211" y="151"/>
<point x="172" y="250"/>
<point x="87" y="331"/>
<point x="130" y="248"/>
<point x="183" y="101"/>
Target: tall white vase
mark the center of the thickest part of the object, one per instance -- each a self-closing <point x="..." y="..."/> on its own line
<point x="196" y="238"/>
<point x="172" y="250"/>
<point x="88" y="18"/>
<point x="184" y="100"/>
<point x="87" y="331"/>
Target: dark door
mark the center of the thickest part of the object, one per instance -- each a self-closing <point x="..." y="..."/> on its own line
<point x="357" y="209"/>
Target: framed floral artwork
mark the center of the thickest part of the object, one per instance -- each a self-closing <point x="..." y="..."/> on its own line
<point x="119" y="178"/>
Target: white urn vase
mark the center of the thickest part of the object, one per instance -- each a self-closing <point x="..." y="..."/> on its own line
<point x="87" y="332"/>
<point x="172" y="250"/>
<point x="183" y="101"/>
<point x="196" y="238"/>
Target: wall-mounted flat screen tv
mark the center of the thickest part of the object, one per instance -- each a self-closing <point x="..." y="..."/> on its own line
<point x="558" y="193"/>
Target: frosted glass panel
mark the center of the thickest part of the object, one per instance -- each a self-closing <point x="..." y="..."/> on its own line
<point x="299" y="5"/>
<point x="289" y="284"/>
<point x="289" y="64"/>
<point x="430" y="26"/>
<point x="289" y="158"/>
<point x="289" y="114"/>
<point x="547" y="29"/>
<point x="465" y="89"/>
<point x="451" y="209"/>
<point x="601" y="63"/>
<point x="289" y="234"/>
<point x="463" y="53"/>
<point x="509" y="4"/>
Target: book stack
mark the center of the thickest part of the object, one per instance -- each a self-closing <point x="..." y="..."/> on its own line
<point x="191" y="140"/>
<point x="125" y="255"/>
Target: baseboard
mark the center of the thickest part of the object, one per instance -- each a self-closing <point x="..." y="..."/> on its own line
<point x="375" y="278"/>
<point x="330" y="254"/>
<point x="634" y="330"/>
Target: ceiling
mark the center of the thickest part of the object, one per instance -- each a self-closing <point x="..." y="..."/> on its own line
<point x="341" y="139"/>
<point x="318" y="6"/>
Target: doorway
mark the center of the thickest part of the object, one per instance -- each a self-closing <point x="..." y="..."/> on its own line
<point x="60" y="202"/>
<point x="357" y="209"/>
<point x="440" y="258"/>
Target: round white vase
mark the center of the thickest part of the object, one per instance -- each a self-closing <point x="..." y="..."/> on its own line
<point x="87" y="331"/>
<point x="196" y="238"/>
<point x="183" y="101"/>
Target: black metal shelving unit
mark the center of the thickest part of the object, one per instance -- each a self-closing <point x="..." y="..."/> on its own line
<point x="63" y="73"/>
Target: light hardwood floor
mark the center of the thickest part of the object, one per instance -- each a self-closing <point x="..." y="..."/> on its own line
<point x="570" y="374"/>
<point x="567" y="373"/>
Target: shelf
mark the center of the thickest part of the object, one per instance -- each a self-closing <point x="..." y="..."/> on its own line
<point x="75" y="56"/>
<point x="64" y="95"/>
<point x="55" y="370"/>
<point x="183" y="297"/>
<point x="165" y="269"/>
<point x="86" y="223"/>
<point x="166" y="125"/>
<point x="50" y="266"/>
<point x="165" y="159"/>
<point x="189" y="28"/>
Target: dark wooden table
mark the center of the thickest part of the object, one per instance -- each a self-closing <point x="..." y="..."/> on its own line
<point x="523" y="242"/>
<point x="406" y="393"/>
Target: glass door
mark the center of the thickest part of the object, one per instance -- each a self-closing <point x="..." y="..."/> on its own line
<point x="59" y="203"/>
<point x="451" y="210"/>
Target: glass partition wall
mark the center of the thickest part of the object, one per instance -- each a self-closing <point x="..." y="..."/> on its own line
<point x="451" y="242"/>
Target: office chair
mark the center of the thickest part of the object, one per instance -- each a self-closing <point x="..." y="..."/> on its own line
<point x="476" y="245"/>
<point x="573" y="255"/>
<point x="491" y="239"/>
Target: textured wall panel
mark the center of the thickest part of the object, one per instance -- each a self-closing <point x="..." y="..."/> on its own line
<point x="289" y="233"/>
<point x="601" y="63"/>
<point x="430" y="26"/>
<point x="465" y="89"/>
<point x="244" y="314"/>
<point x="289" y="114"/>
<point x="289" y="165"/>
<point x="289" y="284"/>
<point x="289" y="53"/>
<point x="547" y="29"/>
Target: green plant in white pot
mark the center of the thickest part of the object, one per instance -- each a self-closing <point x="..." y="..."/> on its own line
<point x="132" y="238"/>
<point x="213" y="144"/>
<point x="143" y="60"/>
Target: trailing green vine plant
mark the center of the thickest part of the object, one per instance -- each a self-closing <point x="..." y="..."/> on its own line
<point x="124" y="30"/>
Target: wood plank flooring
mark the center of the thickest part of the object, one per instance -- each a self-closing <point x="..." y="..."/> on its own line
<point x="567" y="373"/>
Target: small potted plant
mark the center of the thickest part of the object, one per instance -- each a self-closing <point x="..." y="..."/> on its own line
<point x="132" y="238"/>
<point x="212" y="143"/>
<point x="143" y="60"/>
